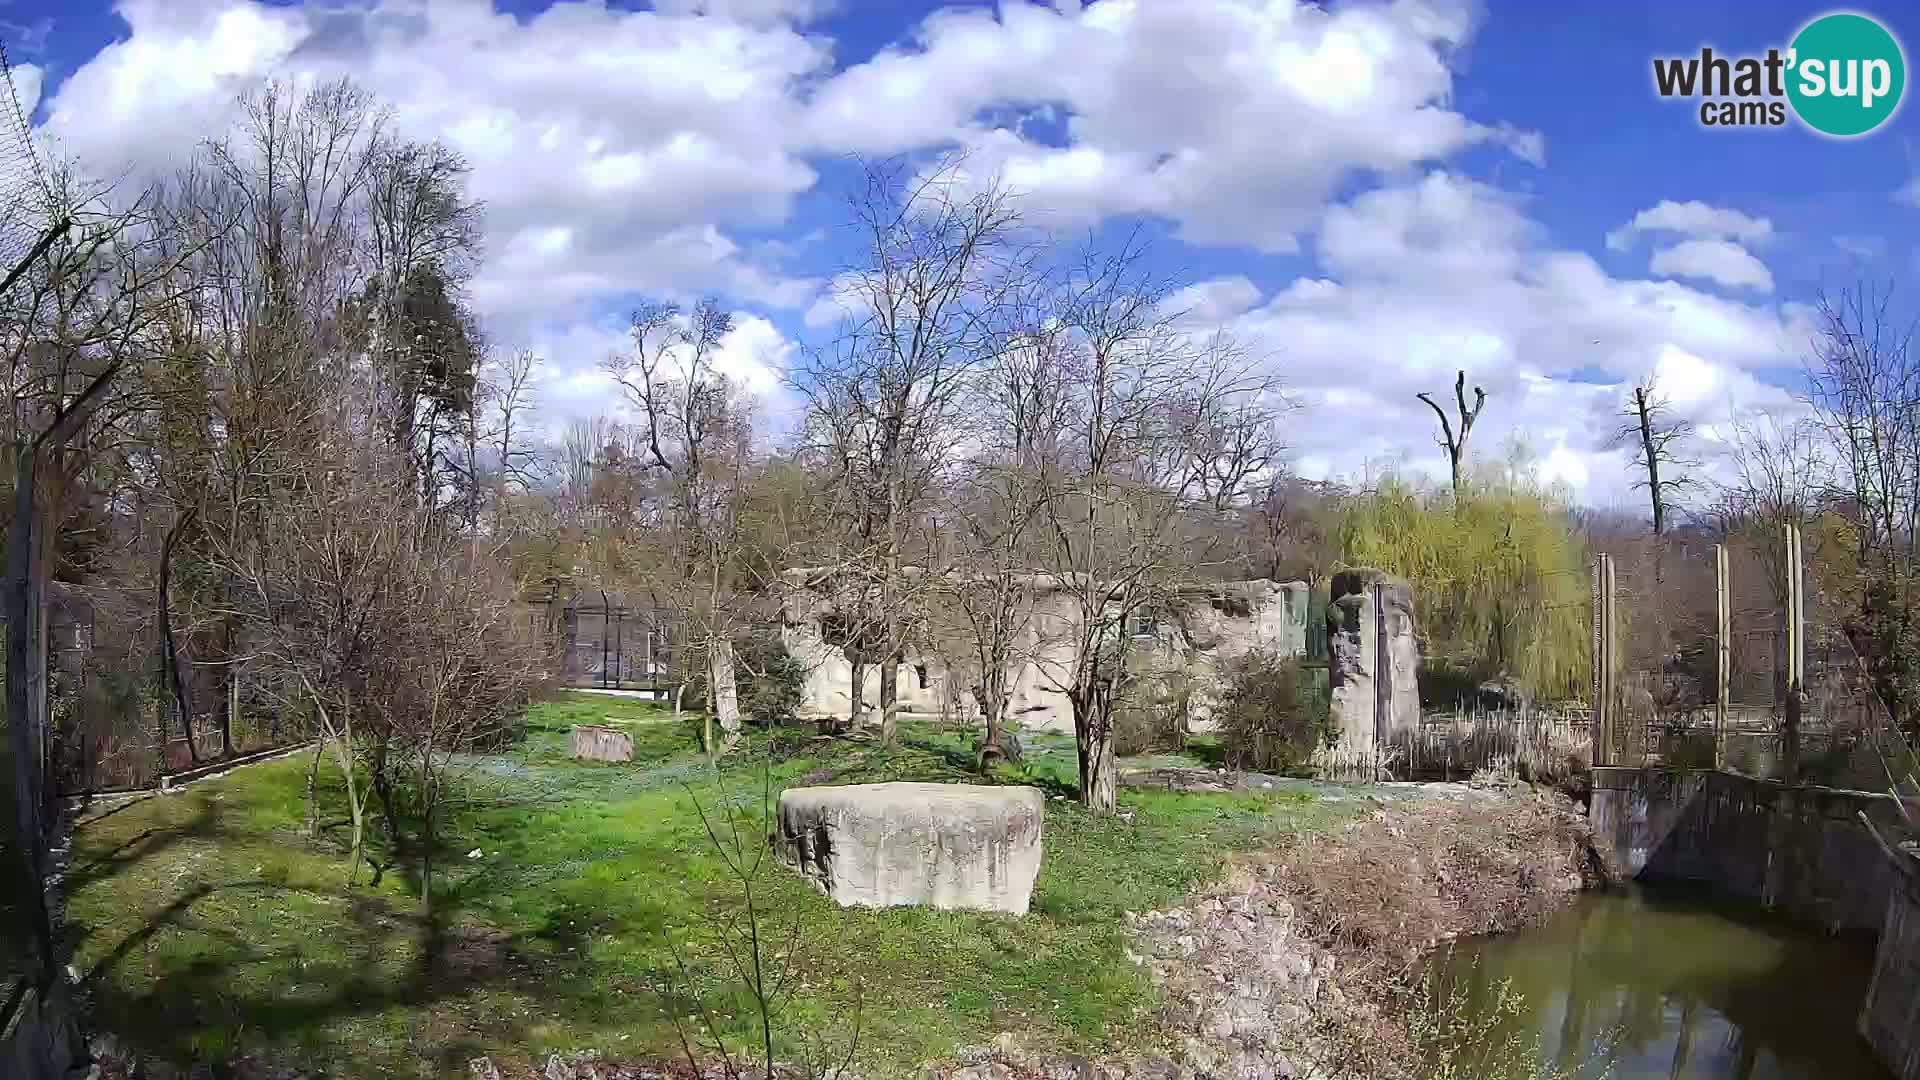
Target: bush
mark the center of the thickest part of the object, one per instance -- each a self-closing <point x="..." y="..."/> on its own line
<point x="1155" y="713"/>
<point x="1264" y="722"/>
<point x="767" y="678"/>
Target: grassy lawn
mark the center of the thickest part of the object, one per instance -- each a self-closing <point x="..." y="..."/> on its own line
<point x="209" y="924"/>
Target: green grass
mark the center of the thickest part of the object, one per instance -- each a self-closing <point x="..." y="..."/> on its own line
<point x="210" y="924"/>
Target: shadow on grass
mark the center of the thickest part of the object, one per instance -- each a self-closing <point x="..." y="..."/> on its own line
<point x="409" y="960"/>
<point x="205" y="824"/>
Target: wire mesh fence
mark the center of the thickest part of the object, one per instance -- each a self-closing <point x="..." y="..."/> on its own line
<point x="25" y="196"/>
<point x="1730" y="655"/>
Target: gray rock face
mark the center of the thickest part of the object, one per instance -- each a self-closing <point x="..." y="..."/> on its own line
<point x="927" y="845"/>
<point x="1374" y="669"/>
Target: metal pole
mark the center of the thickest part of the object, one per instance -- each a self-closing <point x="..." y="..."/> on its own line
<point x="604" y="614"/>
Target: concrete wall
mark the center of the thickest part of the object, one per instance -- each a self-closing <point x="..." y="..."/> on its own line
<point x="1890" y="1020"/>
<point x="1799" y="851"/>
<point x="1201" y="629"/>
<point x="40" y="1037"/>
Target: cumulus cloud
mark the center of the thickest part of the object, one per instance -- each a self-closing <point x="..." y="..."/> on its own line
<point x="623" y="152"/>
<point x="613" y="149"/>
<point x="1719" y="261"/>
<point x="1693" y="219"/>
<point x="1443" y="273"/>
<point x="1234" y="118"/>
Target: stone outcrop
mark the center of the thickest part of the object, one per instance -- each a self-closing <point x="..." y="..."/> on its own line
<point x="590" y="742"/>
<point x="1373" y="669"/>
<point x="932" y="845"/>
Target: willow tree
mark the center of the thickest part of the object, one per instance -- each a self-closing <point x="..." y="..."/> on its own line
<point x="1499" y="575"/>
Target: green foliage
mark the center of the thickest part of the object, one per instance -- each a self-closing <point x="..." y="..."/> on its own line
<point x="769" y="678"/>
<point x="1264" y="721"/>
<point x="212" y="923"/>
<point x="1500" y="578"/>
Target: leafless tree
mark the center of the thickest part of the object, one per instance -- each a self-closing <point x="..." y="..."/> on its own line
<point x="76" y="318"/>
<point x="1662" y="445"/>
<point x="697" y="435"/>
<point x="1146" y="405"/>
<point x="1865" y="381"/>
<point x="939" y="266"/>
<point x="991" y="521"/>
<point x="1456" y="444"/>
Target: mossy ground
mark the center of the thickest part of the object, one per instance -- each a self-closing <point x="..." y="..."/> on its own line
<point x="209" y="924"/>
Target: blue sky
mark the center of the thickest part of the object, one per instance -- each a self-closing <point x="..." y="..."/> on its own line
<point x="1367" y="195"/>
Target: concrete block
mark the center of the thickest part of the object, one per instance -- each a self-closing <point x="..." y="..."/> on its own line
<point x="595" y="743"/>
<point x="930" y="845"/>
<point x="1890" y="1019"/>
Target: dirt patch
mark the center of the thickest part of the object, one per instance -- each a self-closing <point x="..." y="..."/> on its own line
<point x="474" y="952"/>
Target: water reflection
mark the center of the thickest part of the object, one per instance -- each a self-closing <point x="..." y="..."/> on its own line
<point x="1665" y="983"/>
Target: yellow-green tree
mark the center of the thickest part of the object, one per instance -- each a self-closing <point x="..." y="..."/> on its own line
<point x="1500" y="575"/>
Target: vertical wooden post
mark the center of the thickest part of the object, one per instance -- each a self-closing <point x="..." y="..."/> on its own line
<point x="1790" y="748"/>
<point x="1723" y="654"/>
<point x="1604" y="649"/>
<point x="1613" y="663"/>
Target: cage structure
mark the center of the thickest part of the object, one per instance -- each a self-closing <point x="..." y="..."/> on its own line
<point x="611" y="640"/>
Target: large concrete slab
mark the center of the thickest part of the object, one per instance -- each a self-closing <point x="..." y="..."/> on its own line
<point x="929" y="845"/>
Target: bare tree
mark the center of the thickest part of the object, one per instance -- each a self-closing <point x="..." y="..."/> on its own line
<point x="1865" y="381"/>
<point x="939" y="265"/>
<point x="79" y="314"/>
<point x="1661" y="443"/>
<point x="697" y="434"/>
<point x="1456" y="445"/>
<point x="991" y="522"/>
<point x="1146" y="405"/>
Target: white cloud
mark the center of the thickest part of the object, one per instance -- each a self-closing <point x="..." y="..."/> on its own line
<point x="1234" y="118"/>
<point x="1693" y="219"/>
<point x="27" y="81"/>
<point x="613" y="149"/>
<point x="751" y="11"/>
<point x="1209" y="303"/>
<point x="1719" y="261"/>
<point x="1422" y="279"/>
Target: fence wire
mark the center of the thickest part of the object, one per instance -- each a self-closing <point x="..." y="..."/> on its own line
<point x="1666" y="705"/>
<point x="25" y="194"/>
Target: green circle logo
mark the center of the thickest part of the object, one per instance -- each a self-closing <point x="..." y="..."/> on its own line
<point x="1845" y="74"/>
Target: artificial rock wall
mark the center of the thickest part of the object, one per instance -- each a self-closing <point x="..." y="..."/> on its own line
<point x="1373" y="670"/>
<point x="1202" y="628"/>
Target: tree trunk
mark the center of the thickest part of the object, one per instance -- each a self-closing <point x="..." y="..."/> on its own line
<point x="889" y="697"/>
<point x="857" y="692"/>
<point x="724" y="703"/>
<point x="313" y="791"/>
<point x="169" y="651"/>
<point x="233" y="699"/>
<point x="993" y="709"/>
<point x="1093" y="737"/>
<point x="22" y="739"/>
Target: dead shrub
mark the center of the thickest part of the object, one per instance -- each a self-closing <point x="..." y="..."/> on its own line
<point x="1383" y="892"/>
<point x="1155" y="712"/>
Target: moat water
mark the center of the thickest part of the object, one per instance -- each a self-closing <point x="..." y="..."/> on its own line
<point x="1669" y="983"/>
